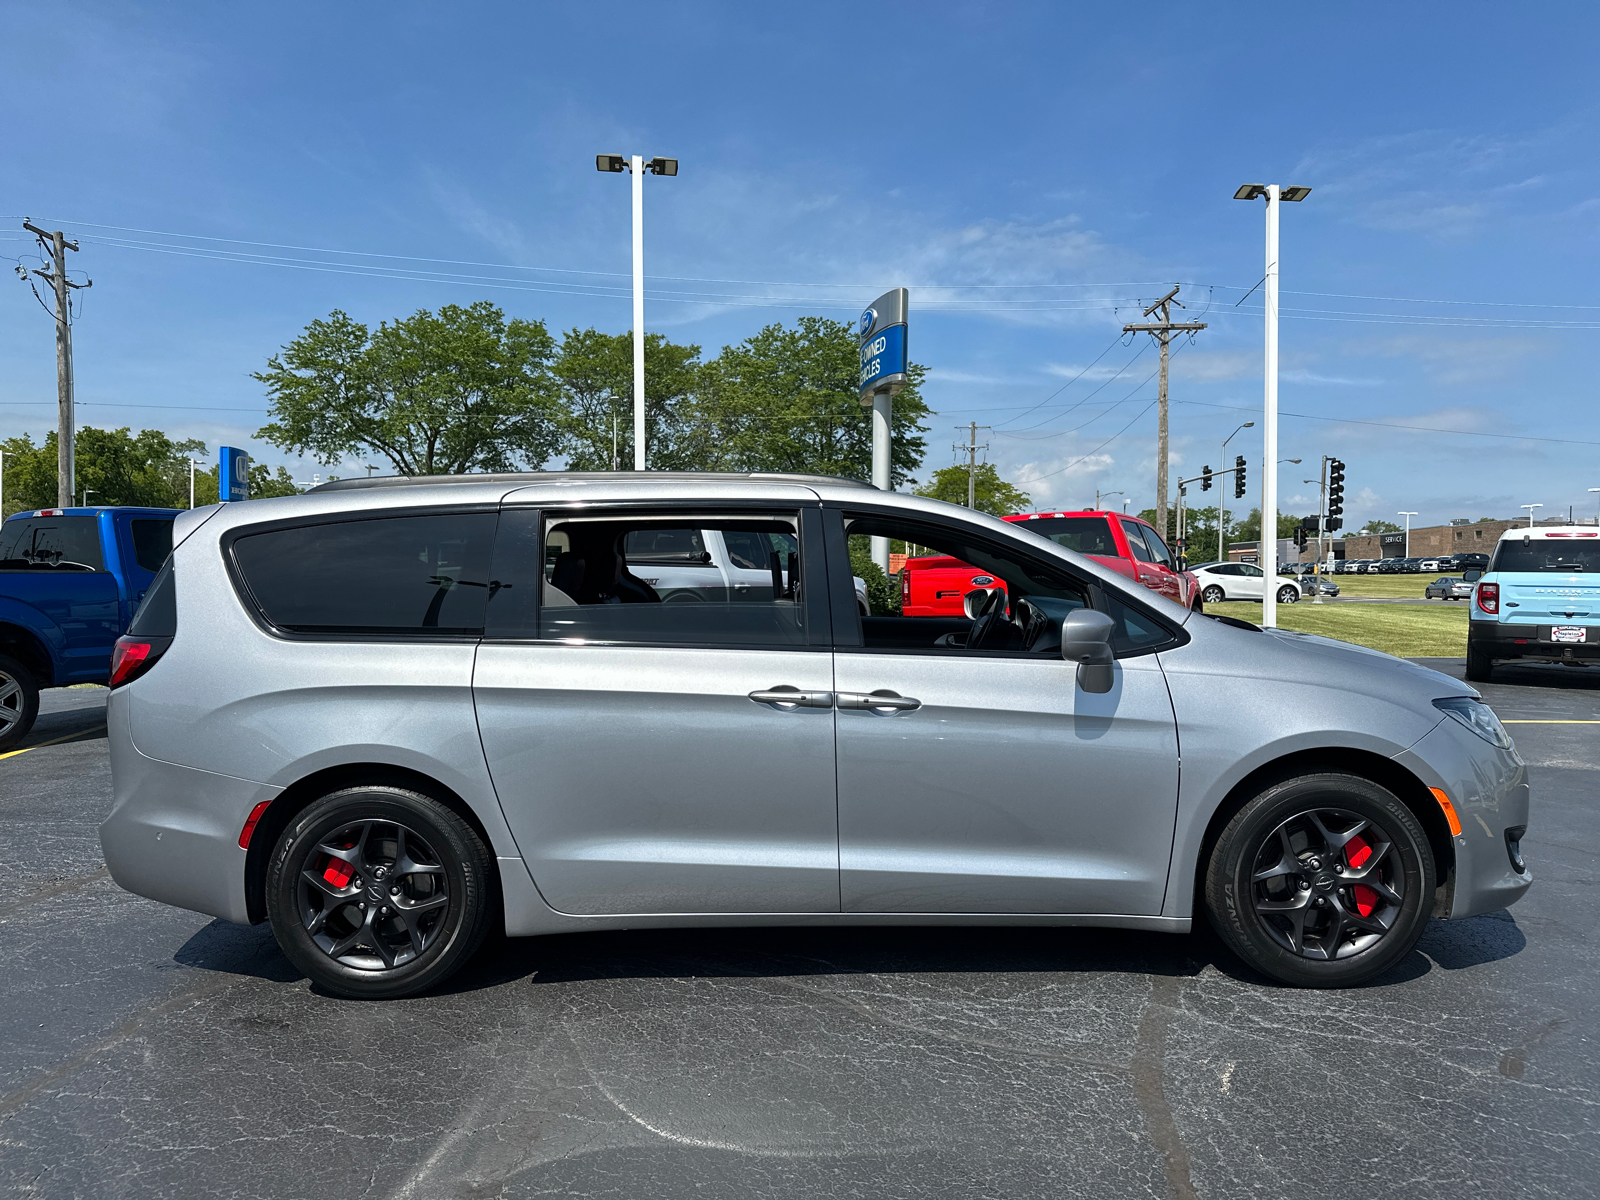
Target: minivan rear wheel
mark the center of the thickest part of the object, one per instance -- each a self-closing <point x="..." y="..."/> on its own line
<point x="1325" y="880"/>
<point x="379" y="892"/>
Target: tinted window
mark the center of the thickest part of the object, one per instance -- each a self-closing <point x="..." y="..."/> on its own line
<point x="1548" y="554"/>
<point x="639" y="580"/>
<point x="1157" y="546"/>
<point x="152" y="542"/>
<point x="1135" y="535"/>
<point x="44" y="543"/>
<point x="158" y="611"/>
<point x="422" y="574"/>
<point x="1086" y="535"/>
<point x="752" y="551"/>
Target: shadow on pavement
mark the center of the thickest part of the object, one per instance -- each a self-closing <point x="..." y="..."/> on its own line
<point x="1534" y="675"/>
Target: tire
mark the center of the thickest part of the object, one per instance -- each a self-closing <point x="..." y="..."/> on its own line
<point x="1288" y="595"/>
<point x="1213" y="595"/>
<point x="1290" y="848"/>
<point x="317" y="902"/>
<point x="19" y="702"/>
<point x="1479" y="665"/>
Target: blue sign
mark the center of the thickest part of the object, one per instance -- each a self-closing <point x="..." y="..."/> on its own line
<point x="233" y="474"/>
<point x="883" y="357"/>
<point x="868" y="320"/>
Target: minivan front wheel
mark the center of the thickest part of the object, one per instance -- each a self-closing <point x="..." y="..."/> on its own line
<point x="379" y="892"/>
<point x="1326" y="880"/>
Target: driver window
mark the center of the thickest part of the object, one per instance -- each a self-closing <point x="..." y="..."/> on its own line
<point x="958" y="593"/>
<point x="1158" y="548"/>
<point x="1136" y="543"/>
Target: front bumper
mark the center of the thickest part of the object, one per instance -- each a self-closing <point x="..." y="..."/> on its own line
<point x="1489" y="789"/>
<point x="1503" y="641"/>
<point x="173" y="832"/>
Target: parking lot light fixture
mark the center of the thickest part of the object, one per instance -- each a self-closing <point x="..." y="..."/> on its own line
<point x="1530" y="508"/>
<point x="1597" y="508"/>
<point x="1407" y="516"/>
<point x="616" y="164"/>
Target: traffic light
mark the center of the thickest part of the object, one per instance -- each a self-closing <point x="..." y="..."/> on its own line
<point x="1300" y="536"/>
<point x="1238" y="477"/>
<point x="1205" y="478"/>
<point x="1335" y="489"/>
<point x="1334" y="523"/>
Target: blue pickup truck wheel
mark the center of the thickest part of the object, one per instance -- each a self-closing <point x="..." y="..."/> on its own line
<point x="19" y="702"/>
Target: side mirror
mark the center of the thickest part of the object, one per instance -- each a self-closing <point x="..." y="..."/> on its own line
<point x="1472" y="575"/>
<point x="972" y="602"/>
<point x="1086" y="640"/>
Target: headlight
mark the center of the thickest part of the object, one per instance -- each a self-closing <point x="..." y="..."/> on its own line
<point x="1478" y="717"/>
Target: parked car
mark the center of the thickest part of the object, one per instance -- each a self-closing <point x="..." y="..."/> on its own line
<point x="1539" y="601"/>
<point x="70" y="580"/>
<point x="1466" y="562"/>
<point x="1240" y="581"/>
<point x="379" y="717"/>
<point x="1309" y="585"/>
<point x="936" y="585"/>
<point x="1448" y="587"/>
<point x="1429" y="565"/>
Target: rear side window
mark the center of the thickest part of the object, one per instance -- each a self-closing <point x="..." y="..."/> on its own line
<point x="1136" y="542"/>
<point x="396" y="575"/>
<point x="152" y="541"/>
<point x="51" y="543"/>
<point x="1086" y="535"/>
<point x="1157" y="546"/>
<point x="158" y="611"/>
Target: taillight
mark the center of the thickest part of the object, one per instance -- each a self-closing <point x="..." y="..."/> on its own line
<point x="1489" y="597"/>
<point x="132" y="656"/>
<point x="905" y="584"/>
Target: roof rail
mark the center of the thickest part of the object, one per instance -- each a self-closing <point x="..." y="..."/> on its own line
<point x="383" y="481"/>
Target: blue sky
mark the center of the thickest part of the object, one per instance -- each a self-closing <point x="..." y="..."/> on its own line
<point x="1033" y="172"/>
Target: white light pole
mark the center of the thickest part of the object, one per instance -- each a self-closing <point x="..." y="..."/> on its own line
<point x="1597" y="508"/>
<point x="191" y="483"/>
<point x="616" y="164"/>
<point x="1530" y="508"/>
<point x="1269" y="425"/>
<point x="1407" y="516"/>
<point x="1222" y="496"/>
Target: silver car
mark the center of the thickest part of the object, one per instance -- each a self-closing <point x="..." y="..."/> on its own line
<point x="389" y="714"/>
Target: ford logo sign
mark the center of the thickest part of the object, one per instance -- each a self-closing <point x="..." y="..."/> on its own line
<point x="867" y="320"/>
<point x="982" y="580"/>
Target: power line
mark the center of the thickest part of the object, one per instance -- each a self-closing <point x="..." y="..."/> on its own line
<point x="1520" y="437"/>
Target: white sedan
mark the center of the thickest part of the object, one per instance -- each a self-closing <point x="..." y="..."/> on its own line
<point x="1239" y="581"/>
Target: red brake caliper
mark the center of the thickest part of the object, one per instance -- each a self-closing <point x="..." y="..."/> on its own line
<point x="338" y="872"/>
<point x="1356" y="852"/>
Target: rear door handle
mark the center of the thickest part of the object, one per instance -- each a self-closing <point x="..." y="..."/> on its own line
<point x="882" y="700"/>
<point x="786" y="697"/>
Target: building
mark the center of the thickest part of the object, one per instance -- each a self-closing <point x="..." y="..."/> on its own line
<point x="1434" y="541"/>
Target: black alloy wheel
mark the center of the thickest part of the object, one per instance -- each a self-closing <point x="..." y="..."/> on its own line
<point x="379" y="892"/>
<point x="19" y="702"/>
<point x="1321" y="881"/>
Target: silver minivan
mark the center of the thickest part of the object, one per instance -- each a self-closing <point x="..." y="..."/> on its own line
<point x="390" y="714"/>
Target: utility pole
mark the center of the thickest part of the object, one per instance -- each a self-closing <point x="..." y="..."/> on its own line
<point x="1162" y="331"/>
<point x="66" y="466"/>
<point x="972" y="449"/>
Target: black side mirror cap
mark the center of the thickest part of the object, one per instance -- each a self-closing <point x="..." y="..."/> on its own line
<point x="1086" y="640"/>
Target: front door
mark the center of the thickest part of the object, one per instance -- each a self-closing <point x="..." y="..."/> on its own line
<point x="648" y="755"/>
<point x="983" y="778"/>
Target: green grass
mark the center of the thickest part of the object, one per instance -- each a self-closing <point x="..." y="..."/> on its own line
<point x="1387" y="585"/>
<point x="1408" y="630"/>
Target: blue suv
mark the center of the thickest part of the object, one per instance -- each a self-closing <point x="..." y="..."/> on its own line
<point x="1538" y="601"/>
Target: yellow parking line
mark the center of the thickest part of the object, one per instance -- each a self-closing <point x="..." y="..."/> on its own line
<point x="53" y="741"/>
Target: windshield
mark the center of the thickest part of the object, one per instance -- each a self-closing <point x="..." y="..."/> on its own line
<point x="1547" y="554"/>
<point x="1086" y="535"/>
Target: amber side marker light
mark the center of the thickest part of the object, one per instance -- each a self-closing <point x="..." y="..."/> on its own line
<point x="1444" y="803"/>
<point x="254" y="819"/>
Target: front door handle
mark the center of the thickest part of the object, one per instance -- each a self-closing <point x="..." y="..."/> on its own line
<point x="785" y="697"/>
<point x="882" y="700"/>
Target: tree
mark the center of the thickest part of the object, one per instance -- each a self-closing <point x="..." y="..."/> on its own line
<point x="463" y="390"/>
<point x="594" y="372"/>
<point x="785" y="400"/>
<point x="1248" y="528"/>
<point x="1383" y="527"/>
<point x="991" y="494"/>
<point x="114" y="466"/>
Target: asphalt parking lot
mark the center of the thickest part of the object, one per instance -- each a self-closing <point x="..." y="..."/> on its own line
<point x="146" y="1051"/>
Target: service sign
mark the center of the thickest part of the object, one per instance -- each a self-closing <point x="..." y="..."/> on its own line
<point x="233" y="470"/>
<point x="882" y="332"/>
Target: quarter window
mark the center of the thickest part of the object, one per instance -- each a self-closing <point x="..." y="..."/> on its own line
<point x="414" y="575"/>
<point x="152" y="542"/>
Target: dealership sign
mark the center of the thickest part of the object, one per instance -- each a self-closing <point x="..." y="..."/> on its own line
<point x="233" y="474"/>
<point x="882" y="335"/>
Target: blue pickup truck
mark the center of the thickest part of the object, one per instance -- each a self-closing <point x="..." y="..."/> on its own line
<point x="70" y="580"/>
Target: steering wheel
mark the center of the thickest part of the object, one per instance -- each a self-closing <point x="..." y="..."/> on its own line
<point x="989" y="621"/>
